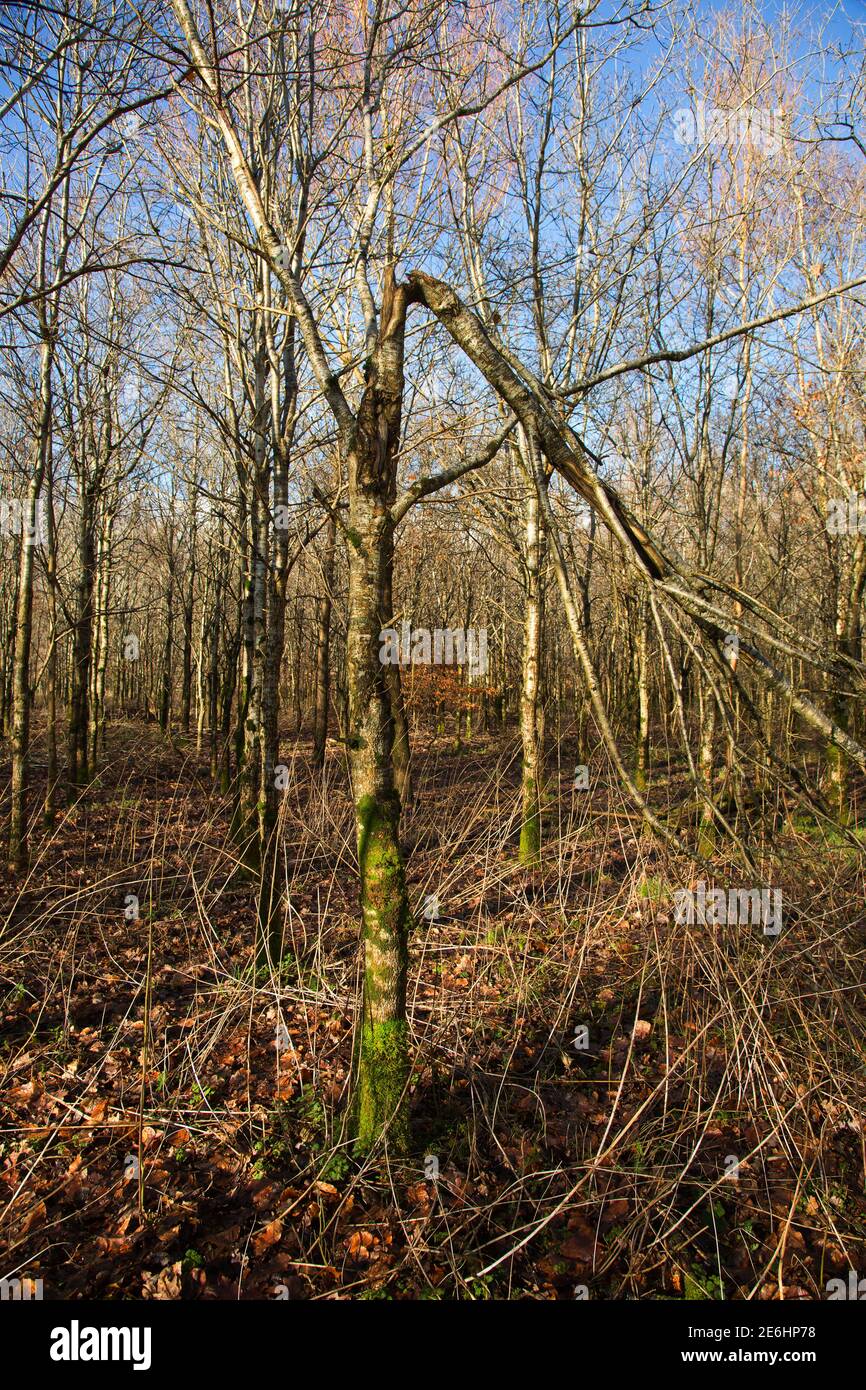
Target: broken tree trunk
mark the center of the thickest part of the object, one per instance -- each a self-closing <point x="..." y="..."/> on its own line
<point x="541" y="416"/>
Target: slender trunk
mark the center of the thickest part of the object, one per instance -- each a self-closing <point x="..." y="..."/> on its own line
<point x="82" y="647"/>
<point x="383" y="1044"/>
<point x="848" y="624"/>
<point x="642" y="740"/>
<point x="323" y="646"/>
<point x="245" y="819"/>
<point x="213" y="681"/>
<point x="200" y="680"/>
<point x="270" y="917"/>
<point x="401" y="752"/>
<point x="167" y="653"/>
<point x="22" y="695"/>
<point x="97" y="711"/>
<point x="706" y="755"/>
<point x="186" y="676"/>
<point x="50" y="808"/>
<point x="297" y="658"/>
<point x="529" y="852"/>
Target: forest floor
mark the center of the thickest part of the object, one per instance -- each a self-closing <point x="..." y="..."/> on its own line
<point x="177" y="1131"/>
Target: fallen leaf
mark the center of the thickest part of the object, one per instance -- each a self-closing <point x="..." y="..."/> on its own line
<point x="267" y="1237"/>
<point x="35" y="1215"/>
<point x="115" y="1245"/>
<point x="165" y="1285"/>
<point x="580" y="1244"/>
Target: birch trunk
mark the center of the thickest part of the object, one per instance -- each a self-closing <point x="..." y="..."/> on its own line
<point x="529" y="851"/>
<point x="82" y="647"/>
<point x="323" y="646"/>
<point x="22" y="695"/>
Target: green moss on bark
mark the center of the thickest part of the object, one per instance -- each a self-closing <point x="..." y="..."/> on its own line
<point x="529" y="851"/>
<point x="383" y="1071"/>
<point x="706" y="836"/>
<point x="383" y="1051"/>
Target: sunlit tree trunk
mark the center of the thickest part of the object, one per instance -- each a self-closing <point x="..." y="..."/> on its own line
<point x="188" y="602"/>
<point x="848" y="641"/>
<point x="383" y="1044"/>
<point x="82" y="645"/>
<point x="104" y="575"/>
<point x="323" y="645"/>
<point x="165" y="681"/>
<point x="270" y="897"/>
<point x="530" y="734"/>
<point x="706" y="765"/>
<point x="22" y="695"/>
<point x="642" y="731"/>
<point x="50" y="808"/>
<point x="401" y="753"/>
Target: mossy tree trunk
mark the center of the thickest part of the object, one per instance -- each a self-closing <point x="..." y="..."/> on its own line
<point x="369" y="441"/>
<point x="382" y="1051"/>
<point x="401" y="748"/>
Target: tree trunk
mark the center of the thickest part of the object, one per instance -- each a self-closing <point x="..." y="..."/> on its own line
<point x="97" y="709"/>
<point x="82" y="647"/>
<point x="383" y="1044"/>
<point x="167" y="654"/>
<point x="323" y="646"/>
<point x="22" y="695"/>
<point x="642" y="731"/>
<point x="401" y="752"/>
<point x="50" y="808"/>
<point x="706" y="754"/>
<point x="529" y="852"/>
<point x="848" y="643"/>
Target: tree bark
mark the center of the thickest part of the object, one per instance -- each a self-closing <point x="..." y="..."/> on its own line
<point x="529" y="852"/>
<point x="323" y="645"/>
<point x="383" y="1045"/>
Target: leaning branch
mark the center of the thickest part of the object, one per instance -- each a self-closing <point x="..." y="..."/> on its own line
<point x="566" y="454"/>
<point x="650" y="359"/>
<point x="436" y="481"/>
